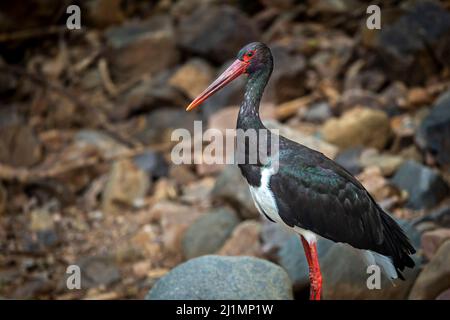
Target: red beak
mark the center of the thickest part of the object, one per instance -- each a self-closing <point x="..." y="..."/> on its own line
<point x="237" y="68"/>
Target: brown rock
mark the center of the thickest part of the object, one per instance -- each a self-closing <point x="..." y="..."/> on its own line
<point x="3" y="198"/>
<point x="374" y="182"/>
<point x="193" y="77"/>
<point x="244" y="241"/>
<point x="435" y="276"/>
<point x="310" y="141"/>
<point x="139" y="48"/>
<point x="19" y="145"/>
<point x="432" y="240"/>
<point x="359" y="126"/>
<point x="387" y="163"/>
<point x="418" y="96"/>
<point x="126" y="185"/>
<point x="444" y="295"/>
<point x="174" y="219"/>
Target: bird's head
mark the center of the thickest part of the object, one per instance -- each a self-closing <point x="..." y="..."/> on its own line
<point x="250" y="59"/>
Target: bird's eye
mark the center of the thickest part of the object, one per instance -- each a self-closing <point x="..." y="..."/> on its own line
<point x="249" y="54"/>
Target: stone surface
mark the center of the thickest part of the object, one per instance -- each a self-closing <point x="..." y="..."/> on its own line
<point x="310" y="141"/>
<point x="345" y="277"/>
<point x="410" y="46"/>
<point x="153" y="163"/>
<point x="432" y="240"/>
<point x="223" y="278"/>
<point x="424" y="186"/>
<point x="359" y="126"/>
<point x="126" y="185"/>
<point x="142" y="47"/>
<point x="232" y="188"/>
<point x="286" y="81"/>
<point x="3" y="198"/>
<point x="434" y="130"/>
<point x="160" y="124"/>
<point x="388" y="163"/>
<point x="244" y="241"/>
<point x="102" y="142"/>
<point x="174" y="219"/>
<point x="208" y="233"/>
<point x="216" y="32"/>
<point x="318" y="112"/>
<point x="435" y="276"/>
<point x="193" y="77"/>
<point x="349" y="159"/>
<point x="97" y="271"/>
<point x="19" y="146"/>
<point x="445" y="295"/>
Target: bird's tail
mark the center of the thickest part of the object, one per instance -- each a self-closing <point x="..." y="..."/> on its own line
<point x="396" y="246"/>
<point x="384" y="262"/>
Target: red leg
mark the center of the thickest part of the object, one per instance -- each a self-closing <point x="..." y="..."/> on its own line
<point x="315" y="276"/>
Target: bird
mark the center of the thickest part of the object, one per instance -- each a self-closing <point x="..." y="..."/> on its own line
<point x="306" y="191"/>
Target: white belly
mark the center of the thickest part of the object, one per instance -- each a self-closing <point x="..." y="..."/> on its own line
<point x="265" y="203"/>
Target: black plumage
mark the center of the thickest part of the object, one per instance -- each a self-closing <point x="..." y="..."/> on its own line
<point x="316" y="194"/>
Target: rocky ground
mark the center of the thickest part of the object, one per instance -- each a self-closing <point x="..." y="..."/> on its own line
<point x="86" y="118"/>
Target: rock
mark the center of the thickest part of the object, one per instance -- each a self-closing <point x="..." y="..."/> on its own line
<point x="359" y="126"/>
<point x="345" y="277"/>
<point x="434" y="130"/>
<point x="104" y="13"/>
<point x="19" y="146"/>
<point x="142" y="47"/>
<point x="387" y="163"/>
<point x="197" y="192"/>
<point x="409" y="46"/>
<point x="42" y="226"/>
<point x="223" y="278"/>
<point x="287" y="78"/>
<point x="126" y="185"/>
<point x="147" y="96"/>
<point x="160" y="124"/>
<point x="435" y="276"/>
<point x="318" y="112"/>
<point x="374" y="182"/>
<point x="197" y="70"/>
<point x="3" y="198"/>
<point x="440" y="216"/>
<point x="182" y="174"/>
<point x="215" y="32"/>
<point x="153" y="163"/>
<point x="424" y="186"/>
<point x="208" y="234"/>
<point x="359" y="98"/>
<point x="232" y="188"/>
<point x="273" y="237"/>
<point x="432" y="240"/>
<point x="418" y="96"/>
<point x="411" y="231"/>
<point x="244" y="241"/>
<point x="97" y="271"/>
<point x="310" y="141"/>
<point x="292" y="258"/>
<point x="445" y="295"/>
<point x="349" y="159"/>
<point x="107" y="146"/>
<point x="33" y="288"/>
<point x="174" y="220"/>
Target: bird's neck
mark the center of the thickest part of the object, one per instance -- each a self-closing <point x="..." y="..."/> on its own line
<point x="249" y="111"/>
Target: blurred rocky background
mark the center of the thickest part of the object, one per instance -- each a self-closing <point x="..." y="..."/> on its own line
<point x="85" y="123"/>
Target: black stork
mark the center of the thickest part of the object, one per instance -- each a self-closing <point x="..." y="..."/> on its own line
<point x="310" y="193"/>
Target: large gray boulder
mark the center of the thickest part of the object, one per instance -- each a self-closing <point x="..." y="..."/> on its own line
<point x="223" y="278"/>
